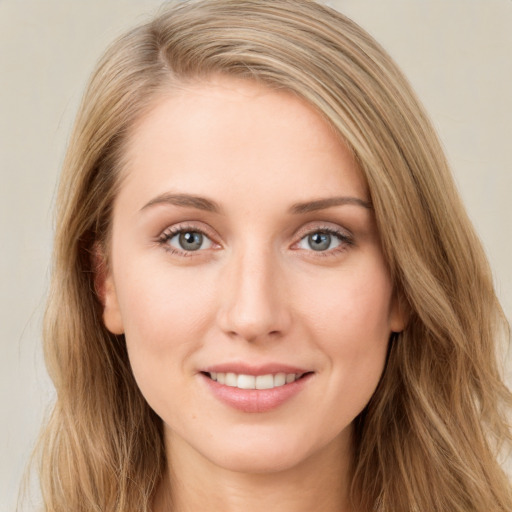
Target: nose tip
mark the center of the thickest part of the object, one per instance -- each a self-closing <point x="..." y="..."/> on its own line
<point x="250" y="328"/>
<point x="254" y="305"/>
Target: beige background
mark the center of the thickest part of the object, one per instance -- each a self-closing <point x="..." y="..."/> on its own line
<point x="457" y="54"/>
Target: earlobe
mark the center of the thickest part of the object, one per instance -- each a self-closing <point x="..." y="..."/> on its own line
<point x="106" y="291"/>
<point x="399" y="316"/>
<point x="111" y="312"/>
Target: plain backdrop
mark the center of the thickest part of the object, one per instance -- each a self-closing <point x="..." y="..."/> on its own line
<point x="456" y="53"/>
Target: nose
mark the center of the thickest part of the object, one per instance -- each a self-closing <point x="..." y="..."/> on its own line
<point x="254" y="305"/>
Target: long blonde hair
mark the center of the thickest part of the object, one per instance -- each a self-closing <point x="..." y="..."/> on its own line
<point x="429" y="438"/>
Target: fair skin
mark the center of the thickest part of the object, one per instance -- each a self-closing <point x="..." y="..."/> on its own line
<point x="243" y="242"/>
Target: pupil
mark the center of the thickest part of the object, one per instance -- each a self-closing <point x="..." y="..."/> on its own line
<point x="319" y="241"/>
<point x="190" y="240"/>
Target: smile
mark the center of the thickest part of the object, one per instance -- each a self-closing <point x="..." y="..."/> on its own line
<point x="254" y="390"/>
<point x="243" y="381"/>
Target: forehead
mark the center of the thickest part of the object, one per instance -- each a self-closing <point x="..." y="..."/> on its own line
<point x="226" y="130"/>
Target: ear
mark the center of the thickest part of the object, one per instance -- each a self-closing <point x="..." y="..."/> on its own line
<point x="106" y="291"/>
<point x="399" y="315"/>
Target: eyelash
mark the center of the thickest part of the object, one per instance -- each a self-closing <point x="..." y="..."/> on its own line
<point x="172" y="231"/>
<point x="344" y="239"/>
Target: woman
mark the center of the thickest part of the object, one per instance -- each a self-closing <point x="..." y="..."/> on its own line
<point x="266" y="293"/>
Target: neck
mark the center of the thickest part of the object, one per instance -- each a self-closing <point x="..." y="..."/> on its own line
<point x="193" y="483"/>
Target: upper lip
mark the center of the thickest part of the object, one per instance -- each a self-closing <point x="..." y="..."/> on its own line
<point x="241" y="368"/>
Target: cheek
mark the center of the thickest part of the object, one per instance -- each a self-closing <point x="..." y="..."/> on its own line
<point x="161" y="307"/>
<point x="351" y="306"/>
<point x="165" y="315"/>
<point x="350" y="322"/>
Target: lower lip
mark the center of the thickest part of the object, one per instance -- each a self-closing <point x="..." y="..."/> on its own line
<point x="255" y="400"/>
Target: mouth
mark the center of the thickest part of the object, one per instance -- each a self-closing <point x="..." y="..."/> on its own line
<point x="260" y="382"/>
<point x="255" y="388"/>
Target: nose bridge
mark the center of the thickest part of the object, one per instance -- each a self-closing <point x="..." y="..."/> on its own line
<point x="254" y="304"/>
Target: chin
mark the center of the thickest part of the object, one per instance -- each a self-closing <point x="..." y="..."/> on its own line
<point x="265" y="454"/>
<point x="250" y="463"/>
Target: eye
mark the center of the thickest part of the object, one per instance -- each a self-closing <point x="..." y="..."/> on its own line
<point x="185" y="240"/>
<point x="323" y="240"/>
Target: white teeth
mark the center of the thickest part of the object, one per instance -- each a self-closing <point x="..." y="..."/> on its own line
<point x="280" y="379"/>
<point x="246" y="381"/>
<point x="264" y="382"/>
<point x="231" y="380"/>
<point x="243" y="381"/>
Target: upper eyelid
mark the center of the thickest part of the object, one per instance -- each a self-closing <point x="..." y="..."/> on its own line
<point x="185" y="226"/>
<point x="323" y="226"/>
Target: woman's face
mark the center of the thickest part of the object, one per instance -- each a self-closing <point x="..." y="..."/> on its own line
<point x="245" y="255"/>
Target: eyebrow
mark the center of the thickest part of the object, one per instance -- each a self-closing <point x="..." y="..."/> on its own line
<point x="322" y="204"/>
<point x="202" y="203"/>
<point x="185" y="200"/>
